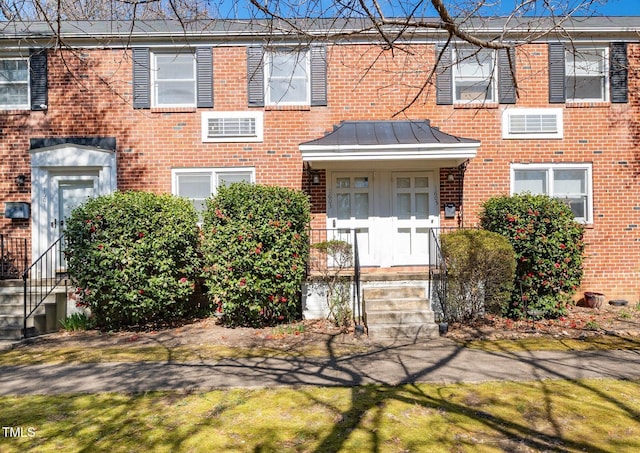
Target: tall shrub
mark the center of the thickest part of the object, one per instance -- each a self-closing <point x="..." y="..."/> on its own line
<point x="133" y="257"/>
<point x="256" y="247"/>
<point x="549" y="251"/>
<point x="480" y="271"/>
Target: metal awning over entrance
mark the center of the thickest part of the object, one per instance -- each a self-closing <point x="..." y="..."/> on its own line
<point x="388" y="140"/>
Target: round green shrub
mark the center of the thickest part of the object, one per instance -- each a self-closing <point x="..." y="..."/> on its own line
<point x="134" y="257"/>
<point x="549" y="251"/>
<point x="480" y="271"/>
<point x="255" y="247"/>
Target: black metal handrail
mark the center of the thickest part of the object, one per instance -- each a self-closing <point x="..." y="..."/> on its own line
<point x="437" y="270"/>
<point x="13" y="257"/>
<point x="319" y="263"/>
<point x="41" y="278"/>
<point x="359" y="321"/>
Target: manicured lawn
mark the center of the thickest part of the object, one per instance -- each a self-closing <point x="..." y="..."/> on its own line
<point x="594" y="343"/>
<point x="36" y="354"/>
<point x="587" y="415"/>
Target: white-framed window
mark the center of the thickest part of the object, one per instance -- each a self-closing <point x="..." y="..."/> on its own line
<point x="474" y="75"/>
<point x="525" y="123"/>
<point x="586" y="70"/>
<point x="571" y="183"/>
<point x="198" y="184"/>
<point x="287" y="76"/>
<point x="173" y="78"/>
<point x="232" y="126"/>
<point x="14" y="83"/>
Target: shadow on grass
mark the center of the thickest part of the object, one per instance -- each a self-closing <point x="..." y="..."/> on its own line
<point x="383" y="375"/>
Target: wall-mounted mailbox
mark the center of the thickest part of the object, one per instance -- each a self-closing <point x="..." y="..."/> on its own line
<point x="16" y="210"/>
<point x="449" y="211"/>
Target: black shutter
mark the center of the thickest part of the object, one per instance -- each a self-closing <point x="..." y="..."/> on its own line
<point x="506" y="76"/>
<point x="444" y="76"/>
<point x="255" y="76"/>
<point x="204" y="65"/>
<point x="618" y="72"/>
<point x="141" y="78"/>
<point x="556" y="73"/>
<point x="38" y="79"/>
<point x="318" y="77"/>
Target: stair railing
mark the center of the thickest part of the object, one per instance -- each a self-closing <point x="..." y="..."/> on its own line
<point x="13" y="257"/>
<point x="437" y="269"/>
<point x="41" y="278"/>
<point x="359" y="320"/>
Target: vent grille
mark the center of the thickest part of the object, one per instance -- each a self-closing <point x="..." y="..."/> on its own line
<point x="533" y="124"/>
<point x="231" y="127"/>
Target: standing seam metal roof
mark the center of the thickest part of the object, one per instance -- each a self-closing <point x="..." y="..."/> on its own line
<point x="387" y="133"/>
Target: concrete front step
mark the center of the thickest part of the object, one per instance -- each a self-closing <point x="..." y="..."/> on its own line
<point x="394" y="292"/>
<point x="44" y="320"/>
<point x="399" y="313"/>
<point x="11" y="333"/>
<point x="403" y="332"/>
<point x="400" y="318"/>
<point x="397" y="304"/>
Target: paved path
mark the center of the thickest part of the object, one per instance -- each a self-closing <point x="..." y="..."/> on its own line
<point x="437" y="361"/>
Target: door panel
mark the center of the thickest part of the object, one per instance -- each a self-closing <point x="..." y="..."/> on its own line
<point x="350" y="204"/>
<point x="414" y="212"/>
<point x="70" y="192"/>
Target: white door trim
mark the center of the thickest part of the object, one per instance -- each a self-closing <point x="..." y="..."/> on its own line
<point x="59" y="161"/>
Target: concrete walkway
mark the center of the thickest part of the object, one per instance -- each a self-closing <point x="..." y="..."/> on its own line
<point x="436" y="361"/>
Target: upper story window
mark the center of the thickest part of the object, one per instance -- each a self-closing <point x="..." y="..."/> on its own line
<point x="474" y="75"/>
<point x="471" y="75"/>
<point x="570" y="183"/>
<point x="284" y="76"/>
<point x="14" y="83"/>
<point x="287" y="77"/>
<point x="586" y="74"/>
<point x="174" y="80"/>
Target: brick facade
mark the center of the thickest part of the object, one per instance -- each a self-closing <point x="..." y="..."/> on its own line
<point x="90" y="92"/>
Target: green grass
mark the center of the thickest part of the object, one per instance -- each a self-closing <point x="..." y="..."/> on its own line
<point x="38" y="354"/>
<point x="587" y="415"/>
<point x="594" y="343"/>
<point x="43" y="353"/>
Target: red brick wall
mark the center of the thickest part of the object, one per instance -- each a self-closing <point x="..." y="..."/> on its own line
<point x="364" y="83"/>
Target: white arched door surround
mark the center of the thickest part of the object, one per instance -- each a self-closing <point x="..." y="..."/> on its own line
<point x="62" y="177"/>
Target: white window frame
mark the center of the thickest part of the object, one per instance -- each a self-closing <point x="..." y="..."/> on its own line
<point x="27" y="82"/>
<point x="569" y="59"/>
<point x="258" y="117"/>
<point x="267" y="75"/>
<point x="214" y="174"/>
<point x="493" y="76"/>
<point x="155" y="101"/>
<point x="549" y="169"/>
<point x="509" y="112"/>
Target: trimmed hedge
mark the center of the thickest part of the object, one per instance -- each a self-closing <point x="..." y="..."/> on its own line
<point x="549" y="251"/>
<point x="256" y="247"/>
<point x="480" y="271"/>
<point x="133" y="257"/>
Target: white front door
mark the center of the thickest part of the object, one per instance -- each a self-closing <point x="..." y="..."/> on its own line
<point x="67" y="193"/>
<point x="392" y="218"/>
<point x="414" y="212"/>
<point x="350" y="208"/>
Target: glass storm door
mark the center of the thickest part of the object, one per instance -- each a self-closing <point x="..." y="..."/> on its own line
<point x="414" y="212"/>
<point x="70" y="194"/>
<point x="350" y="208"/>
